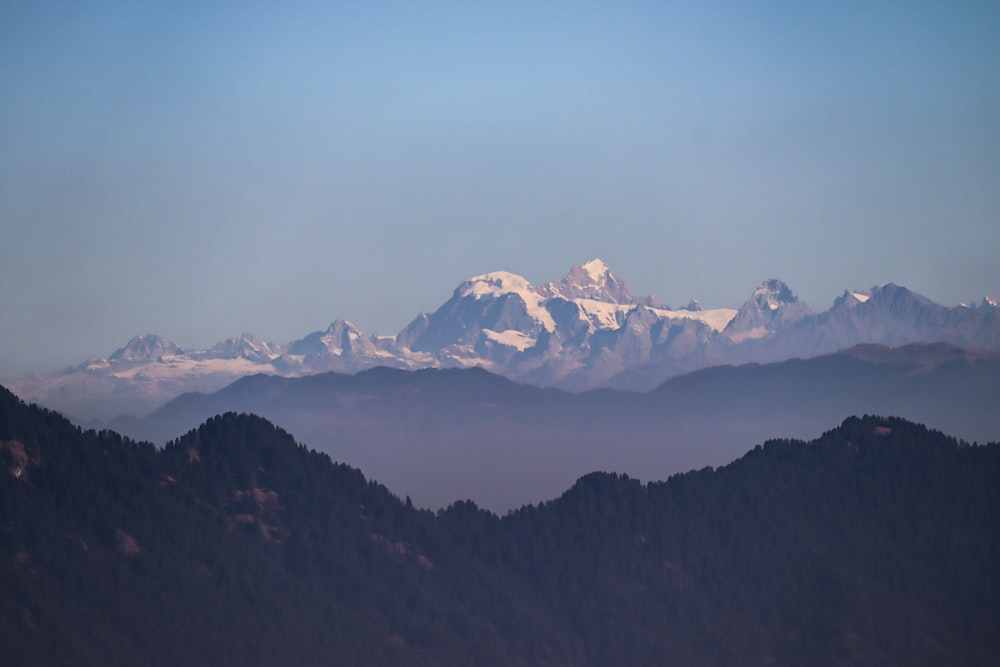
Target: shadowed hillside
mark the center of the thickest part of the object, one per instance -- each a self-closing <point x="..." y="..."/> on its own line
<point x="874" y="545"/>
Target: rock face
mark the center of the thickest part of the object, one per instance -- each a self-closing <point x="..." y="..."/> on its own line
<point x="771" y="307"/>
<point x="584" y="331"/>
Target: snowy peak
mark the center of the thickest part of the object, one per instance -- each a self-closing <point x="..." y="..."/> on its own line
<point x="503" y="285"/>
<point x="852" y="299"/>
<point x="499" y="301"/>
<point x="771" y="306"/>
<point x="342" y="347"/>
<point x="596" y="268"/>
<point x="496" y="283"/>
<point x="693" y="306"/>
<point x="341" y="338"/>
<point x="246" y="346"/>
<point x="591" y="280"/>
<point x="341" y="334"/>
<point x="772" y="294"/>
<point x="145" y="348"/>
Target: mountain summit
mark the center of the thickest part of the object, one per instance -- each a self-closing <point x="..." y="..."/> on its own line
<point x="771" y="306"/>
<point x="245" y="346"/>
<point x="591" y="280"/>
<point x="145" y="348"/>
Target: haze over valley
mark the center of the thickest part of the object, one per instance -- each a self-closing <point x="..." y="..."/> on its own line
<point x="565" y="334"/>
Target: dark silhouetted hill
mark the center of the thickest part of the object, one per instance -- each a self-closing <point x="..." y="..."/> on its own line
<point x="875" y="544"/>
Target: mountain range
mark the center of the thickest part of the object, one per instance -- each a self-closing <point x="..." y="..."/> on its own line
<point x="438" y="435"/>
<point x="584" y="331"/>
<point x="874" y="544"/>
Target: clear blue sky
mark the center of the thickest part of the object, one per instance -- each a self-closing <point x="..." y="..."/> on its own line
<point x="201" y="169"/>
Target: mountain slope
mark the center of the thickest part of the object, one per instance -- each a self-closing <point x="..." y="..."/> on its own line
<point x="232" y="545"/>
<point x="875" y="544"/>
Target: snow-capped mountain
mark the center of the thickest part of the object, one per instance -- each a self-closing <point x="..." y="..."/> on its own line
<point x="245" y="346"/>
<point x="888" y="315"/>
<point x="342" y="347"/>
<point x="593" y="281"/>
<point x="500" y="307"/>
<point x="771" y="307"/>
<point x="577" y="332"/>
<point x="584" y="331"/>
<point x="146" y="348"/>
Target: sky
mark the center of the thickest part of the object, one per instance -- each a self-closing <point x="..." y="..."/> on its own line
<point x="197" y="170"/>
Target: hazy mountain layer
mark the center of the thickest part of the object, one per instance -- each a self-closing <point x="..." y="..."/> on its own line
<point x="585" y="331"/>
<point x="441" y="435"/>
<point x="876" y="544"/>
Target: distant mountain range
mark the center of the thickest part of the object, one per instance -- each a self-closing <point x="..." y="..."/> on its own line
<point x="585" y="331"/>
<point x="875" y="544"/>
<point x="439" y="435"/>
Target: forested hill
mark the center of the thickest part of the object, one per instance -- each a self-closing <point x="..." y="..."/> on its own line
<point x="876" y="544"/>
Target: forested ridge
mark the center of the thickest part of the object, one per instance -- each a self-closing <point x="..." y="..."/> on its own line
<point x="876" y="544"/>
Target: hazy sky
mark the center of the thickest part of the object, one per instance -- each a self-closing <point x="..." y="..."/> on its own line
<point x="201" y="169"/>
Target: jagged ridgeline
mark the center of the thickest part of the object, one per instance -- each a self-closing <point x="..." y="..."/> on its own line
<point x="875" y="544"/>
<point x="585" y="331"/>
